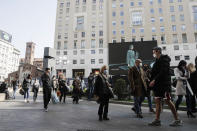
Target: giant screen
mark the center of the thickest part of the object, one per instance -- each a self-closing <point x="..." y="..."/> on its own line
<point x="123" y="55"/>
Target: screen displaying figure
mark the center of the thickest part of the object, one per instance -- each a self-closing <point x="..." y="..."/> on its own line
<point x="132" y="55"/>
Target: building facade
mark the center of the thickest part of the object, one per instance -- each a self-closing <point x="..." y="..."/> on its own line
<point x="29" y="54"/>
<point x="9" y="55"/>
<point x="85" y="27"/>
<point x="81" y="36"/>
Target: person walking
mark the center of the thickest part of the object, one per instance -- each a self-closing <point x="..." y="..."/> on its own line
<point x="161" y="84"/>
<point x="147" y="71"/>
<point x="63" y="88"/>
<point x="138" y="86"/>
<point x="36" y="86"/>
<point x="90" y="85"/>
<point x="193" y="83"/>
<point x="103" y="93"/>
<point x="54" y="83"/>
<point x="76" y="91"/>
<point x="26" y="85"/>
<point x="46" y="82"/>
<point x="182" y="87"/>
<point x="14" y="87"/>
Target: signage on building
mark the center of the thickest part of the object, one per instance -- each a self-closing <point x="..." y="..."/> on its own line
<point x="5" y="36"/>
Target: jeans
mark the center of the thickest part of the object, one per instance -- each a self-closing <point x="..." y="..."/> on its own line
<point x="149" y="102"/>
<point x="137" y="103"/>
<point x="91" y="89"/>
<point x="26" y="93"/>
<point x="35" y="90"/>
<point x="14" y="92"/>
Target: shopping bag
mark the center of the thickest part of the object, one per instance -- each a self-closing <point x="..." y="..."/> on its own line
<point x="54" y="98"/>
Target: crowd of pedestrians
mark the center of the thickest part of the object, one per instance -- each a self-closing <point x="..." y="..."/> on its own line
<point x="143" y="81"/>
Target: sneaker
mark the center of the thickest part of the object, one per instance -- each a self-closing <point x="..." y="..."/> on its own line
<point x="176" y="123"/>
<point x="46" y="110"/>
<point x="25" y="100"/>
<point x="155" y="123"/>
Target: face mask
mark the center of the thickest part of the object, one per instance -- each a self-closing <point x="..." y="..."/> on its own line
<point x="105" y="72"/>
<point x="154" y="56"/>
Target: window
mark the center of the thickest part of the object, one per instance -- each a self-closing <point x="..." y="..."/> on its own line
<point x="82" y="34"/>
<point x="65" y="53"/>
<point x="57" y="62"/>
<point x="163" y="40"/>
<point x="133" y="31"/>
<point x="82" y="61"/>
<point x="187" y="57"/>
<point x="131" y="3"/>
<point x="183" y="27"/>
<point x="92" y="61"/>
<point x="122" y="32"/>
<point x="151" y="2"/>
<point x="171" y="1"/>
<point x="84" y="2"/>
<point x="194" y="8"/>
<point x="75" y="52"/>
<point x="185" y="47"/>
<point x="122" y="39"/>
<point x="152" y="11"/>
<point x="67" y="10"/>
<point x="122" y="22"/>
<point x="160" y="10"/>
<point x="159" y="1"/>
<point x="153" y="29"/>
<point x="121" y="13"/>
<point x="152" y="19"/>
<point x="100" y="43"/>
<point x="176" y="47"/>
<point x="75" y="35"/>
<point x="114" y="23"/>
<point x="94" y="1"/>
<point x="77" y="2"/>
<point x="177" y="58"/>
<point x="68" y="4"/>
<point x="121" y="5"/>
<point x="65" y="62"/>
<point x="93" y="34"/>
<point x="161" y="19"/>
<point x="113" y="14"/>
<point x="100" y="33"/>
<point x="184" y="38"/>
<point x="74" y="61"/>
<point x="59" y="36"/>
<point x="175" y="38"/>
<point x="140" y="3"/>
<point x="93" y="43"/>
<point x="180" y="8"/>
<point x="82" y="52"/>
<point x="114" y="32"/>
<point x="179" y="0"/>
<point x="172" y="18"/>
<point x="82" y="44"/>
<point x="93" y="52"/>
<point x="58" y="53"/>
<point x="114" y="41"/>
<point x="171" y="8"/>
<point x="100" y="61"/>
<point x="133" y="39"/>
<point x="142" y="30"/>
<point x="195" y="35"/>
<point x="136" y="18"/>
<point x="65" y="44"/>
<point x="58" y="45"/>
<point x="154" y="37"/>
<point x="61" y="5"/>
<point x="162" y="29"/>
<point x="80" y="23"/>
<point x="100" y="51"/>
<point x="114" y="4"/>
<point x="182" y="17"/>
<point x="173" y="27"/>
<point x="66" y="36"/>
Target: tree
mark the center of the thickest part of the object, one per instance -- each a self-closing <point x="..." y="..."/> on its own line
<point x="119" y="88"/>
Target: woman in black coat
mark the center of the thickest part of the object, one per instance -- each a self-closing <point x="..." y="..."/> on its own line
<point x="63" y="88"/>
<point x="103" y="93"/>
<point x="76" y="91"/>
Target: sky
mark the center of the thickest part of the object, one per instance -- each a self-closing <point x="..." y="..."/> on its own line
<point x="29" y="21"/>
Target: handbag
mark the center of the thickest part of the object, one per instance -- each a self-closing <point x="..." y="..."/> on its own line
<point x="21" y="91"/>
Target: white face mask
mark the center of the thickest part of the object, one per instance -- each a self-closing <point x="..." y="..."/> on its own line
<point x="154" y="56"/>
<point x="105" y="72"/>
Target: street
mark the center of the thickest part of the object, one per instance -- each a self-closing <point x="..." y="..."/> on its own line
<point x="15" y="115"/>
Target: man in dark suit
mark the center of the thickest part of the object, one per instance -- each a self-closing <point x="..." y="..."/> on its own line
<point x="138" y="85"/>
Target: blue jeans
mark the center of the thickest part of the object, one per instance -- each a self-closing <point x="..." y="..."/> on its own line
<point x="14" y="92"/>
<point x="26" y="94"/>
<point x="91" y="89"/>
<point x="137" y="103"/>
<point x="149" y="102"/>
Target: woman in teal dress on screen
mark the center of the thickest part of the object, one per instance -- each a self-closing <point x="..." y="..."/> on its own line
<point x="131" y="56"/>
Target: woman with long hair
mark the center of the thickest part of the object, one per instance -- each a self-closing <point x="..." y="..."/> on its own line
<point x="63" y="88"/>
<point x="182" y="87"/>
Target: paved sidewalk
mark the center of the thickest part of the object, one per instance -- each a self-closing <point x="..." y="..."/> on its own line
<point x="15" y="115"/>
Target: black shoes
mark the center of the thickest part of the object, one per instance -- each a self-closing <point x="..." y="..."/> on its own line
<point x="190" y="114"/>
<point x="133" y="109"/>
<point x="100" y="118"/>
<point x="103" y="118"/>
<point x="139" y="116"/>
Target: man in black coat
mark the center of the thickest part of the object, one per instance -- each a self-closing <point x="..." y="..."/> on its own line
<point x="161" y="84"/>
<point x="46" y="81"/>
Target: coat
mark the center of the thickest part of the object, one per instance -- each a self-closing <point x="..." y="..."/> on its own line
<point x="137" y="81"/>
<point x="193" y="82"/>
<point x="180" y="87"/>
<point x="161" y="73"/>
